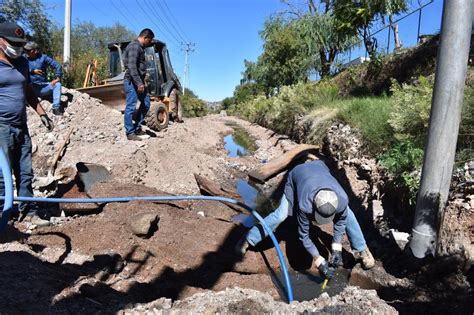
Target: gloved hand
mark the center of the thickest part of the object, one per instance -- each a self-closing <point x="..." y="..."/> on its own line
<point x="336" y="257"/>
<point x="326" y="270"/>
<point x="48" y="123"/>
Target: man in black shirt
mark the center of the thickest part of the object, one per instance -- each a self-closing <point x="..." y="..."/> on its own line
<point x="134" y="84"/>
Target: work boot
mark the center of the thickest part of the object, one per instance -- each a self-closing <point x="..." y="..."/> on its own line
<point x="367" y="261"/>
<point x="58" y="111"/>
<point x="242" y="246"/>
<point x="142" y="135"/>
<point x="36" y="220"/>
<point x="134" y="137"/>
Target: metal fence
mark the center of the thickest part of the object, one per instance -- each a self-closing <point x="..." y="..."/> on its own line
<point x="410" y="30"/>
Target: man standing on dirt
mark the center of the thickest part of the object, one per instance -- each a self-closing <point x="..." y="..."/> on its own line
<point x="135" y="85"/>
<point x="15" y="92"/>
<point x="313" y="194"/>
<point x="39" y="64"/>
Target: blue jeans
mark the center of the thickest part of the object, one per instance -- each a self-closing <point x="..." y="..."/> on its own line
<point x="16" y="143"/>
<point x="132" y="96"/>
<point x="45" y="89"/>
<point x="274" y="219"/>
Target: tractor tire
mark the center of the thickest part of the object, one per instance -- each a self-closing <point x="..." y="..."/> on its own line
<point x="157" y="117"/>
<point x="176" y="107"/>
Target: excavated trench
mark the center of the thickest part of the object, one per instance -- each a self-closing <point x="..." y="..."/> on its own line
<point x="396" y="279"/>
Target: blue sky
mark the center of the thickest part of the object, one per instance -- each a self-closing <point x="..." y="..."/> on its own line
<point x="225" y="32"/>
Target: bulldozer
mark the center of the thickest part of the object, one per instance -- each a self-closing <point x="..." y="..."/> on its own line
<point x="161" y="82"/>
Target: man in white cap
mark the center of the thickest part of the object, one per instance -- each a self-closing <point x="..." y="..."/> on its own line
<point x="39" y="64"/>
<point x="313" y="194"/>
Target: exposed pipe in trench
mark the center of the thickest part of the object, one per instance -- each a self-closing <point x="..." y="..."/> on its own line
<point x="8" y="204"/>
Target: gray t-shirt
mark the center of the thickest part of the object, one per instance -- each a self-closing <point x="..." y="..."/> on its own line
<point x="13" y="81"/>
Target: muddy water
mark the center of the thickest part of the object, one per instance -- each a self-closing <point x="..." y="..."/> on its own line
<point x="307" y="286"/>
<point x="239" y="143"/>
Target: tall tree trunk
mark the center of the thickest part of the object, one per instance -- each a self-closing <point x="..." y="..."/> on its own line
<point x="396" y="35"/>
<point x="325" y="64"/>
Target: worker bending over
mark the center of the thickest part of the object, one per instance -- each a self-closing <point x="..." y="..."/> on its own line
<point x="313" y="194"/>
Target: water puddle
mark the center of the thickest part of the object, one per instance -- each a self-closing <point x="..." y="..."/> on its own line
<point x="255" y="199"/>
<point x="246" y="220"/>
<point x="307" y="286"/>
<point x="248" y="193"/>
<point x="239" y="143"/>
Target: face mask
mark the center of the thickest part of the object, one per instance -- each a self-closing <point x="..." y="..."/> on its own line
<point x="12" y="51"/>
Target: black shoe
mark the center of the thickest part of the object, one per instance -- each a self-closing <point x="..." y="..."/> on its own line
<point x="58" y="111"/>
<point x="134" y="137"/>
<point x="242" y="246"/>
<point x="140" y="132"/>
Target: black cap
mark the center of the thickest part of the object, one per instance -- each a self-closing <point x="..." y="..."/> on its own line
<point x="12" y="32"/>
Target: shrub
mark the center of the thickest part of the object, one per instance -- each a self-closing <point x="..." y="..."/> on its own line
<point x="193" y="106"/>
<point x="465" y="147"/>
<point x="403" y="161"/>
<point x="369" y="115"/>
<point x="411" y="109"/>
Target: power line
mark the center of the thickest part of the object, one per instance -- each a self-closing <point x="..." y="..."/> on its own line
<point x="163" y="22"/>
<point x="130" y="12"/>
<point x="120" y="11"/>
<point x="172" y="20"/>
<point x="96" y="7"/>
<point x="151" y="18"/>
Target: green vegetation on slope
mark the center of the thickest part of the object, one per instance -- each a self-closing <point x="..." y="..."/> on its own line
<point x="393" y="128"/>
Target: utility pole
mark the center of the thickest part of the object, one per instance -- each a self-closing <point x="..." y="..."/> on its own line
<point x="444" y="126"/>
<point x="189" y="47"/>
<point x="67" y="34"/>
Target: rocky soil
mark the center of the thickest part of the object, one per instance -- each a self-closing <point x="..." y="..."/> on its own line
<point x="93" y="259"/>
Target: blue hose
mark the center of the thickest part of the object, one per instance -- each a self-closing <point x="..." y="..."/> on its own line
<point x="8" y="186"/>
<point x="173" y="198"/>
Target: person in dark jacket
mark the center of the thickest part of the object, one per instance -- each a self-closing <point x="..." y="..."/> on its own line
<point x="15" y="93"/>
<point x="134" y="84"/>
<point x="313" y="194"/>
<point x="39" y="64"/>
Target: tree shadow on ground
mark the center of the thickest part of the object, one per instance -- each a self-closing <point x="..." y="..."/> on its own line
<point x="170" y="283"/>
<point x="31" y="285"/>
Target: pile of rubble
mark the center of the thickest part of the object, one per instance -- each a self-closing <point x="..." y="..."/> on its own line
<point x="90" y="121"/>
<point x="245" y="301"/>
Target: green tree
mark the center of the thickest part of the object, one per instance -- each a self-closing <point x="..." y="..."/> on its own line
<point x="88" y="43"/>
<point x="322" y="41"/>
<point x="193" y="106"/>
<point x="282" y="61"/>
<point x="315" y="24"/>
<point x="31" y="15"/>
<point x="357" y="17"/>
